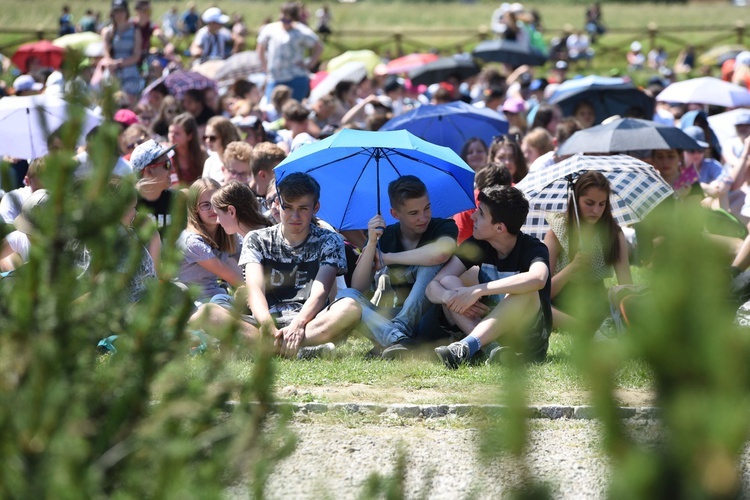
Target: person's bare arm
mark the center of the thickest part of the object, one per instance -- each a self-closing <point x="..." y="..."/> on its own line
<point x="432" y="254"/>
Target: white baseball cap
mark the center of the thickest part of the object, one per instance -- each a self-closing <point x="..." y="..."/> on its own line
<point x="214" y="15"/>
<point x="25" y="83"/>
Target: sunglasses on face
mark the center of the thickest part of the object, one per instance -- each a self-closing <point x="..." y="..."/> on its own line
<point x="209" y="138"/>
<point x="138" y="142"/>
<point x="166" y="164"/>
<point x="205" y="206"/>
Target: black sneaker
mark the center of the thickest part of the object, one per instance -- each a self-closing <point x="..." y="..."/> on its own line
<point x="395" y="351"/>
<point x="453" y="355"/>
<point x="500" y="355"/>
<point x="323" y="351"/>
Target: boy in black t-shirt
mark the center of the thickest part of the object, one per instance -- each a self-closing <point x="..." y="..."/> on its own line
<point x="410" y="252"/>
<point x="511" y="302"/>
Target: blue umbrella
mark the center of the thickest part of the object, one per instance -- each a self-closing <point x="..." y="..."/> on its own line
<point x="608" y="95"/>
<point x="354" y="168"/>
<point x="450" y="124"/>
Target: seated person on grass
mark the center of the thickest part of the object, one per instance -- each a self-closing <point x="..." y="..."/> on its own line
<point x="290" y="269"/>
<point x="410" y="252"/>
<point x="511" y="264"/>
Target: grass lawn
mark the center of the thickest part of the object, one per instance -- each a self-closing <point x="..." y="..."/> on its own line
<point x="423" y="380"/>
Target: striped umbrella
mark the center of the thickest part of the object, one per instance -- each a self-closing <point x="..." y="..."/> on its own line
<point x="636" y="188"/>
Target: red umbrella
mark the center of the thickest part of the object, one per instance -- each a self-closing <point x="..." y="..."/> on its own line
<point x="407" y="63"/>
<point x="43" y="50"/>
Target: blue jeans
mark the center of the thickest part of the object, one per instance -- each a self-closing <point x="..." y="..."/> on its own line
<point x="300" y="88"/>
<point x="387" y="331"/>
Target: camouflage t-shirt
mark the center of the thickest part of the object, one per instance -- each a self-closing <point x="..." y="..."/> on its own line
<point x="289" y="271"/>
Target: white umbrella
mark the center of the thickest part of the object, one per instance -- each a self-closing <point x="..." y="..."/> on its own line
<point x="349" y="72"/>
<point x="26" y="122"/>
<point x="723" y="125"/>
<point x="706" y="90"/>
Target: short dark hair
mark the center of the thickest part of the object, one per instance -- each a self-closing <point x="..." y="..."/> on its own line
<point x="507" y="205"/>
<point x="406" y="187"/>
<point x="294" y="111"/>
<point x="295" y="186"/>
<point x="492" y="174"/>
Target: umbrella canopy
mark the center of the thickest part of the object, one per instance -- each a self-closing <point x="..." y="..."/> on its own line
<point x="181" y="81"/>
<point x="451" y="124"/>
<point x="350" y="72"/>
<point x="609" y="96"/>
<point x="77" y="41"/>
<point x="26" y="122"/>
<point x="461" y="66"/>
<point x="354" y="168"/>
<point x="723" y="125"/>
<point x="627" y="134"/>
<point x="706" y="90"/>
<point x="367" y="57"/>
<point x="209" y="68"/>
<point x="409" y="62"/>
<point x="44" y="51"/>
<point x="236" y="66"/>
<point x="636" y="188"/>
<point x="509" y="52"/>
<point x="717" y="55"/>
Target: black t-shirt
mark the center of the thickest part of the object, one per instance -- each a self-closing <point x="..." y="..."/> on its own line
<point x="390" y="242"/>
<point x="527" y="251"/>
<point x="159" y="209"/>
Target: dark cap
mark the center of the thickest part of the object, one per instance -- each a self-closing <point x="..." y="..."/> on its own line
<point x="119" y="4"/>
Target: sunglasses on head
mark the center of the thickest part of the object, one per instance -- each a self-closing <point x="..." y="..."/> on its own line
<point x="514" y="138"/>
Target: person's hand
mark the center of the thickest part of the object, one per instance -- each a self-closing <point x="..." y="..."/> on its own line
<point x="462" y="300"/>
<point x="581" y="262"/>
<point x="375" y="228"/>
<point x="292" y="338"/>
<point x="477" y="311"/>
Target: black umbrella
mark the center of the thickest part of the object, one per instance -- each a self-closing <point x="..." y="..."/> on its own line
<point x="461" y="66"/>
<point x="627" y="134"/>
<point x="509" y="52"/>
<point x="608" y="96"/>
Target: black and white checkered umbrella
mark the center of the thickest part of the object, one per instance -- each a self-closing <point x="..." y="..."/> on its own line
<point x="636" y="188"/>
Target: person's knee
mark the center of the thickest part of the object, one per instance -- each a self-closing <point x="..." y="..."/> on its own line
<point x="451" y="282"/>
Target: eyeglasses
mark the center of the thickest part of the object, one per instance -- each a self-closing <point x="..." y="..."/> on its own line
<point x="140" y="141"/>
<point x="270" y="200"/>
<point x="205" y="206"/>
<point x="286" y="20"/>
<point x="209" y="138"/>
<point x="167" y="165"/>
<point x="237" y="173"/>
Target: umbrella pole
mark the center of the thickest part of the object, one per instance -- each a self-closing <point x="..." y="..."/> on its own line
<point x="572" y="196"/>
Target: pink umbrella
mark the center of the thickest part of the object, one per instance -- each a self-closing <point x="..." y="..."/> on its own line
<point x="43" y="50"/>
<point x="407" y="63"/>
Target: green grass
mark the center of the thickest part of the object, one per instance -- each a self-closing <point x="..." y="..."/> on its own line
<point x="423" y="380"/>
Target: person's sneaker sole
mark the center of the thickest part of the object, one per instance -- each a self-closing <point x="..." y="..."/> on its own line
<point x="323" y="351"/>
<point x="395" y="351"/>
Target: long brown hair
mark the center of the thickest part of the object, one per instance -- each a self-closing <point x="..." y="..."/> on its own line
<point x="606" y="226"/>
<point x="219" y="239"/>
<point x="196" y="154"/>
<point x="510" y="141"/>
<point x="246" y="206"/>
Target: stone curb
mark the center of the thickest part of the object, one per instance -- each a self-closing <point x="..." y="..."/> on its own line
<point x="548" y="412"/>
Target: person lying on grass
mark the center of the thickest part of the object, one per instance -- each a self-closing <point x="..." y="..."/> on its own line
<point x="510" y="303"/>
<point x="289" y="269"/>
